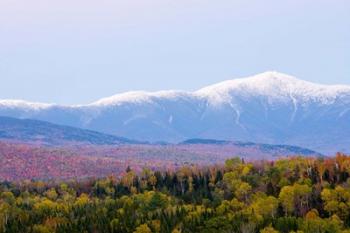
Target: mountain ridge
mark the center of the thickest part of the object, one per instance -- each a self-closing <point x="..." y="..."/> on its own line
<point x="42" y="132"/>
<point x="47" y="134"/>
<point x="269" y="77"/>
<point x="263" y="147"/>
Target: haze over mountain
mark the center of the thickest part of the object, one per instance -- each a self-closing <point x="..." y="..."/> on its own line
<point x="269" y="108"/>
<point x="45" y="133"/>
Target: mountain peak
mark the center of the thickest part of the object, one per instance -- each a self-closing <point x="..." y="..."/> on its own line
<point x="258" y="80"/>
<point x="274" y="86"/>
<point x="275" y="76"/>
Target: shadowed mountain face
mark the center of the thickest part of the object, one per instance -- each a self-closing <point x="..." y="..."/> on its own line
<point x="45" y="133"/>
<point x="34" y="131"/>
<point x="270" y="108"/>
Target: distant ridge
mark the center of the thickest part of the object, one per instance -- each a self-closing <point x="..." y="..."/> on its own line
<point x="262" y="147"/>
<point x="204" y="141"/>
<point x="41" y="132"/>
<point x="268" y="108"/>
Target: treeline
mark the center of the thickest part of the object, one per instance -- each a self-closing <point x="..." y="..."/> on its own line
<point x="299" y="194"/>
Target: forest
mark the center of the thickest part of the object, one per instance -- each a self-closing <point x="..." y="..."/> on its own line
<point x="294" y="194"/>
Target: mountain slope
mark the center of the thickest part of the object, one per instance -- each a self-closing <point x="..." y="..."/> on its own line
<point x="257" y="148"/>
<point x="27" y="161"/>
<point x="34" y="131"/>
<point x="270" y="108"/>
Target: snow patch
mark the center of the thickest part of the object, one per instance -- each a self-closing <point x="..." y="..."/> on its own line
<point x="24" y="104"/>
<point x="170" y="120"/>
<point x="295" y="108"/>
<point x="139" y="97"/>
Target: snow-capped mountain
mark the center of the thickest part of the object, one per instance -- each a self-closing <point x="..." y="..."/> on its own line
<point x="267" y="108"/>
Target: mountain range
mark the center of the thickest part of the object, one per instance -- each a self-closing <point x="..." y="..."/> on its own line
<point x="45" y="134"/>
<point x="271" y="107"/>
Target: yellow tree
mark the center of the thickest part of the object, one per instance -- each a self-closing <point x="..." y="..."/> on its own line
<point x="265" y="206"/>
<point x="292" y="196"/>
<point x="336" y="201"/>
<point x="269" y="229"/>
<point x="143" y="229"/>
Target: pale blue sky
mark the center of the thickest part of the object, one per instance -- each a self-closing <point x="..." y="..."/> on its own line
<point x="72" y="52"/>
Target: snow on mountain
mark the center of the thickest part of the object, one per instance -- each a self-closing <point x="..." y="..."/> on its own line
<point x="139" y="97"/>
<point x="270" y="108"/>
<point x="275" y="86"/>
<point x="271" y="84"/>
<point x="23" y="104"/>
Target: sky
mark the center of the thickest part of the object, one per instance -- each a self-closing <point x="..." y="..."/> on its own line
<point x="75" y="52"/>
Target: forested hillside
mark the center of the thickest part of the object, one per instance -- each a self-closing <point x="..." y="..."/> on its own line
<point x="20" y="161"/>
<point x="297" y="194"/>
<point x="45" y="133"/>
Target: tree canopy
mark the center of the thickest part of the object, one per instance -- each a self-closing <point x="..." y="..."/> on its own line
<point x="296" y="194"/>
